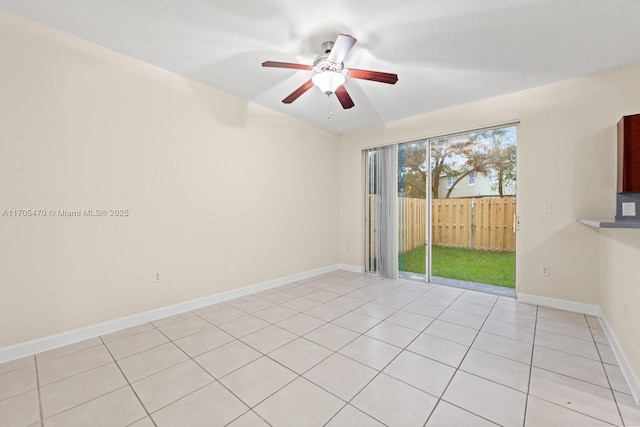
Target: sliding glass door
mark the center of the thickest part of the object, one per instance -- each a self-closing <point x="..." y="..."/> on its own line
<point x="443" y="209"/>
<point x="473" y="209"/>
<point x="413" y="224"/>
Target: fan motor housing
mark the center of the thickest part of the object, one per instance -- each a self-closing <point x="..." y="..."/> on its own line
<point x="322" y="63"/>
<point x="327" y="46"/>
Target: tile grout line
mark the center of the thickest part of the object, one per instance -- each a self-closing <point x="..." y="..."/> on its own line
<point x="606" y="374"/>
<point x="35" y="362"/>
<point x="215" y="380"/>
<point x="251" y="408"/>
<point x="457" y="369"/>
<point x="573" y="410"/>
<point x="298" y="376"/>
<point x="245" y="413"/>
<point x="348" y="403"/>
<point x="62" y="379"/>
<point x="76" y="405"/>
<point x="90" y="400"/>
<point x="570" y="377"/>
<point x="70" y="353"/>
<point x="533" y="349"/>
<point x="360" y="334"/>
<point x="402" y="349"/>
<point x="128" y="383"/>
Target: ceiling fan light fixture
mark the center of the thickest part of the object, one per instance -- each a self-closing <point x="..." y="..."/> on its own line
<point x="328" y="81"/>
<point x="330" y="73"/>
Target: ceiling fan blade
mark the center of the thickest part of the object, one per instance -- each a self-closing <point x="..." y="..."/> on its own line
<point x="344" y="98"/>
<point x="296" y="93"/>
<point x="375" y="76"/>
<point x="277" y="64"/>
<point x="341" y="48"/>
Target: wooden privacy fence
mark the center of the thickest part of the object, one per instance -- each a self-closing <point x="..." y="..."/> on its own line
<point x="412" y="223"/>
<point x="486" y="223"/>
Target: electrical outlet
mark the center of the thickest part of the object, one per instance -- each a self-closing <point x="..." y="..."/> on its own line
<point x="548" y="208"/>
<point x="544" y="270"/>
<point x="157" y="277"/>
<point x="628" y="208"/>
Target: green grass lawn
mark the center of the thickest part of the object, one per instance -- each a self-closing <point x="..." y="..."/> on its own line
<point x="494" y="268"/>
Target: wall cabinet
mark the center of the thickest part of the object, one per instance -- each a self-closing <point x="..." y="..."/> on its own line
<point x="629" y="154"/>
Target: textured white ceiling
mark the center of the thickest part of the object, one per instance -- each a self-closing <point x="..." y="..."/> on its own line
<point x="445" y="52"/>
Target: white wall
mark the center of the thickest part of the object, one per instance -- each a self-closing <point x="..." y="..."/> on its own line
<point x="566" y="156"/>
<point x="620" y="290"/>
<point x="221" y="193"/>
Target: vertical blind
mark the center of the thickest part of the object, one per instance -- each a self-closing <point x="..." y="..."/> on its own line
<point x="381" y="211"/>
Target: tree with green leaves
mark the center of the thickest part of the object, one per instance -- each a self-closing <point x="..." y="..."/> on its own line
<point x="502" y="159"/>
<point x="476" y="162"/>
<point x="413" y="170"/>
<point x="453" y="156"/>
<point x="491" y="153"/>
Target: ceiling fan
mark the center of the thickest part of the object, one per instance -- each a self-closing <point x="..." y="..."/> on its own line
<point x="330" y="73"/>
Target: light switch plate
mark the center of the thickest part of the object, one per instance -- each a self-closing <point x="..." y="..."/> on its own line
<point x="628" y="208"/>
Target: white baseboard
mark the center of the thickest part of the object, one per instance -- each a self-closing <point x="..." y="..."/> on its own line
<point x="351" y="268"/>
<point x="54" y="341"/>
<point x="560" y="304"/>
<point x="623" y="362"/>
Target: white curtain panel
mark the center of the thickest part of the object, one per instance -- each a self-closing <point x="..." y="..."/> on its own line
<point x="381" y="212"/>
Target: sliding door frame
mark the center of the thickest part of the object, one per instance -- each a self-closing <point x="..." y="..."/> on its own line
<point x="429" y="196"/>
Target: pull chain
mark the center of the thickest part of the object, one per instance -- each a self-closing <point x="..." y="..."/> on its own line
<point x="330" y="112"/>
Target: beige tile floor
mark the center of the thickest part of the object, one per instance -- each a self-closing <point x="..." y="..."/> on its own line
<point x="341" y="349"/>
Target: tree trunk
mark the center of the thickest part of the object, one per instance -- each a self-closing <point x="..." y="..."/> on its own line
<point x="435" y="181"/>
<point x="456" y="183"/>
